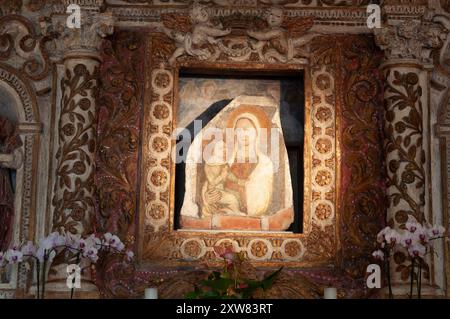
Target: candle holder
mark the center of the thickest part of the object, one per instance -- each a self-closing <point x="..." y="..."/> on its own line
<point x="151" y="293"/>
<point x="330" y="293"/>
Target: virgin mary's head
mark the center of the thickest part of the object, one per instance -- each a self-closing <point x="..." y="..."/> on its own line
<point x="246" y="135"/>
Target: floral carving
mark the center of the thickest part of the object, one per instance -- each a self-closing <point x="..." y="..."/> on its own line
<point x="192" y="248"/>
<point x="406" y="157"/>
<point x="74" y="187"/>
<point x="120" y="106"/>
<point x="323" y="211"/>
<point x="161" y="111"/>
<point x="363" y="189"/>
<point x="259" y="249"/>
<point x="323" y="145"/>
<point x="157" y="211"/>
<point x="323" y="178"/>
<point x="323" y="114"/>
<point x="23" y="48"/>
<point x="292" y="249"/>
<point x="410" y="39"/>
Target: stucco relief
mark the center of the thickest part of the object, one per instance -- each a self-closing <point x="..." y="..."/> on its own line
<point x="272" y="38"/>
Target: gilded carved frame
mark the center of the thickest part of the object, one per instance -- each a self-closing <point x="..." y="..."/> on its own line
<point x="160" y="244"/>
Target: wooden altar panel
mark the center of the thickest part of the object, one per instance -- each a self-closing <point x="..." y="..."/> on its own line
<point x="340" y="79"/>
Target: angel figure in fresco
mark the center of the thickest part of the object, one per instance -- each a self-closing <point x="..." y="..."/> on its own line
<point x="284" y="38"/>
<point x="10" y="158"/>
<point x="193" y="35"/>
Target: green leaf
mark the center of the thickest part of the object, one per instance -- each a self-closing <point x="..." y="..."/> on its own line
<point x="268" y="281"/>
<point x="221" y="284"/>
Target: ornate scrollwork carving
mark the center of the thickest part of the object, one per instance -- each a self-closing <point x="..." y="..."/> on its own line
<point x="23" y="48"/>
<point x="162" y="246"/>
<point x="404" y="145"/>
<point x="74" y="187"/>
<point x="120" y="107"/>
<point x="363" y="190"/>
<point x="85" y="40"/>
<point x="276" y="39"/>
<point x="410" y="39"/>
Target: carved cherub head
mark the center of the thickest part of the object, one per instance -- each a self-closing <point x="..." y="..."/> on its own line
<point x="199" y="14"/>
<point x="274" y="17"/>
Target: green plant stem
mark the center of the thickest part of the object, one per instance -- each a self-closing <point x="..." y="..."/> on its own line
<point x="43" y="274"/>
<point x="38" y="273"/>
<point x="388" y="266"/>
<point x="72" y="290"/>
<point x="412" y="279"/>
<point x="419" y="280"/>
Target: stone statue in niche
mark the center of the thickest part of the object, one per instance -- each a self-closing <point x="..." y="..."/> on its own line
<point x="194" y="34"/>
<point x="283" y="39"/>
<point x="10" y="158"/>
<point x="237" y="171"/>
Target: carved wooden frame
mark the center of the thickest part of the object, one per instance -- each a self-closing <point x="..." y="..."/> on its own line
<point x="25" y="201"/>
<point x="159" y="244"/>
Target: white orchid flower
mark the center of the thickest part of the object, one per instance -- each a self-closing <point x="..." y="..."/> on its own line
<point x="72" y="241"/>
<point x="114" y="241"/>
<point x="378" y="254"/>
<point x="91" y="253"/>
<point x="392" y="236"/>
<point x="40" y="254"/>
<point x="28" y="249"/>
<point x="14" y="256"/>
<point x="408" y="239"/>
<point x="381" y="235"/>
<point x="129" y="254"/>
<point x="417" y="250"/>
<point x="436" y="231"/>
<point x="51" y="241"/>
<point x="412" y="227"/>
<point x="422" y="235"/>
<point x="120" y="246"/>
<point x="93" y="241"/>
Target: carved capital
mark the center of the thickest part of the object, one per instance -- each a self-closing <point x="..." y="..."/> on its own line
<point x="83" y="41"/>
<point x="410" y="39"/>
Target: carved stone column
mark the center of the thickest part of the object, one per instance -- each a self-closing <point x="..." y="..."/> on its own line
<point x="74" y="203"/>
<point x="407" y="70"/>
<point x="74" y="189"/>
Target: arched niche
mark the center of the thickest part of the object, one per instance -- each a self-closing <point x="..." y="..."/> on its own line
<point x="18" y="104"/>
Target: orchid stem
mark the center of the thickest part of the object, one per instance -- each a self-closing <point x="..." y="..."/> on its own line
<point x="38" y="273"/>
<point x="419" y="280"/>
<point x="43" y="275"/>
<point x="388" y="266"/>
<point x="412" y="279"/>
<point x="72" y="290"/>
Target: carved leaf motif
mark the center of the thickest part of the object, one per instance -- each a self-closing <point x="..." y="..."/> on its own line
<point x="363" y="195"/>
<point x="120" y="103"/>
<point x="176" y="21"/>
<point x="298" y="26"/>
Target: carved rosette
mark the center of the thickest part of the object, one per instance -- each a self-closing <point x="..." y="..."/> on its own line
<point x="158" y="174"/>
<point x="323" y="147"/>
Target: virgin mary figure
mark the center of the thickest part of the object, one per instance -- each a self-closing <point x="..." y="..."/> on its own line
<point x="231" y="178"/>
<point x="244" y="184"/>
